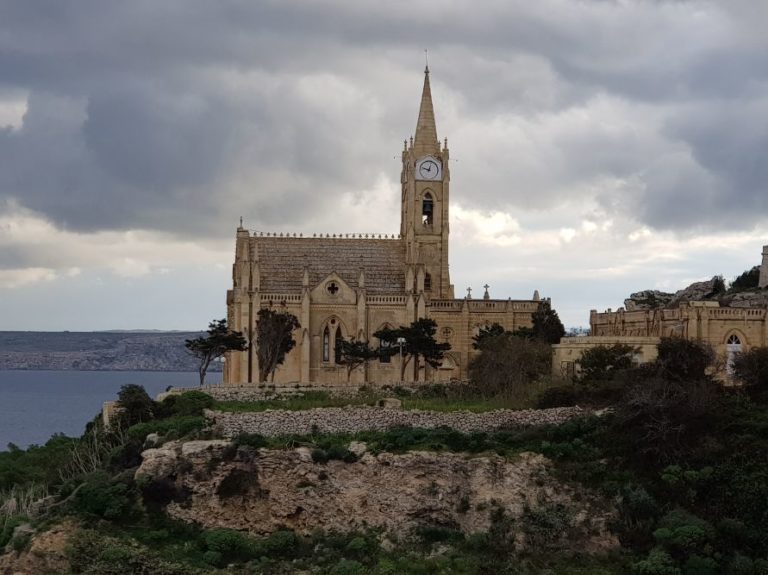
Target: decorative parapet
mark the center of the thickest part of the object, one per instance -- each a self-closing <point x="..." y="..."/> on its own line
<point x="484" y="305"/>
<point x="386" y="299"/>
<point x="279" y="297"/>
<point x="353" y="236"/>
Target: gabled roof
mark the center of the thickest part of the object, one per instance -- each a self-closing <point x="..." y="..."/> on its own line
<point x="282" y="262"/>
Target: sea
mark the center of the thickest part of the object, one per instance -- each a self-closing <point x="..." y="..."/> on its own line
<point x="36" y="404"/>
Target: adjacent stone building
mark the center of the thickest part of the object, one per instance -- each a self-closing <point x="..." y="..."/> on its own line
<point x="352" y="285"/>
<point x="730" y="325"/>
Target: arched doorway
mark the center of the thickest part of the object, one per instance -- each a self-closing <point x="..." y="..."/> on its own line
<point x="732" y="347"/>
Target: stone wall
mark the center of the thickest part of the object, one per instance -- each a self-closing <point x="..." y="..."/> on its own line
<point x="354" y="419"/>
<point x="252" y="392"/>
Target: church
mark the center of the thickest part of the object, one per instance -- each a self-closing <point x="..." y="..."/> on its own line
<point x="352" y="285"/>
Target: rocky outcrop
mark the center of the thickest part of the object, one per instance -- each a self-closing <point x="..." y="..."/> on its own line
<point x="45" y="554"/>
<point x="352" y="419"/>
<point x="648" y="299"/>
<point x="264" y="490"/>
<point x="747" y="299"/>
<point x="654" y="299"/>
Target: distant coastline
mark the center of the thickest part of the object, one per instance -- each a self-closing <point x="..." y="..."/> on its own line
<point x="141" y="350"/>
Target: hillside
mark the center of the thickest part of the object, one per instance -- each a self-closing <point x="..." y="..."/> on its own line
<point x="94" y="351"/>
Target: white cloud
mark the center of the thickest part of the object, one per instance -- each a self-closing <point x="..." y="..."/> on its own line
<point x="17" y="278"/>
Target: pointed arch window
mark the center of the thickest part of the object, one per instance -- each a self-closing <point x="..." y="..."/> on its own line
<point x="337" y="346"/>
<point x="732" y="347"/>
<point x="427" y="209"/>
<point x="427" y="282"/>
<point x="326" y="344"/>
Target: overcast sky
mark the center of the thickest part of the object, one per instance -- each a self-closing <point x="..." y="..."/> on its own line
<point x="599" y="147"/>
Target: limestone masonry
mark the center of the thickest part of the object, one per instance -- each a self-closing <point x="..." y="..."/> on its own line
<point x="354" y="419"/>
<point x="350" y="287"/>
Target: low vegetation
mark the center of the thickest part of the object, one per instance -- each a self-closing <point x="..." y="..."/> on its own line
<point x="684" y="459"/>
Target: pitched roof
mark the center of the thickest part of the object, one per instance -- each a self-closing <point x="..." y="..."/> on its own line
<point x="282" y="262"/>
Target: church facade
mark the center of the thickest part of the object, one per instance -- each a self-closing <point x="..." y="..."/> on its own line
<point x="352" y="285"/>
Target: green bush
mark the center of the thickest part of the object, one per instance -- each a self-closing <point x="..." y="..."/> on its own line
<point x="658" y="562"/>
<point x="251" y="440"/>
<point x="558" y="396"/>
<point x="683" y="360"/>
<point x="173" y="427"/>
<point x="348" y="567"/>
<point x="231" y="545"/>
<point x="104" y="497"/>
<point x="751" y="369"/>
<point x="545" y="525"/>
<point x="192" y="403"/>
<point x="602" y="362"/>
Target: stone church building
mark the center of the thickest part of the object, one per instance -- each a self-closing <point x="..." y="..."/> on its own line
<point x="352" y="285"/>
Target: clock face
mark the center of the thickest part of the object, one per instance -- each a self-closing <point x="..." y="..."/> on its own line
<point x="429" y="168"/>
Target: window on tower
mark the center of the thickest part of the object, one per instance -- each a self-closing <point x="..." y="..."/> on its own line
<point x="427" y="282"/>
<point x="427" y="209"/>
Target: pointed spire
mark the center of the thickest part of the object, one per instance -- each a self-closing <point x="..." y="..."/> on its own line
<point x="426" y="141"/>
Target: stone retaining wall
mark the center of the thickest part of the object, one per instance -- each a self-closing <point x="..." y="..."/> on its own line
<point x="262" y="392"/>
<point x="354" y="419"/>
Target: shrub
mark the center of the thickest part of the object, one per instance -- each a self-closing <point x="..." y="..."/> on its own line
<point x="750" y="279"/>
<point x="348" y="567"/>
<point x="104" y="497"/>
<point x="192" y="403"/>
<point x="280" y="544"/>
<point x="683" y="360"/>
<point x="601" y="363"/>
<point x="751" y="369"/>
<point x="558" y="396"/>
<point x="546" y="524"/>
<point x="177" y="427"/>
<point x="251" y="440"/>
<point x="506" y="364"/>
<point x="658" y="562"/>
<point x="230" y="544"/>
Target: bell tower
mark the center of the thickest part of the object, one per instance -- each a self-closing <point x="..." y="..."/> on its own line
<point x="425" y="182"/>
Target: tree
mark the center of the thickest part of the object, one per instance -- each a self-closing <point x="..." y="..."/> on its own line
<point x="485" y="333"/>
<point x="220" y="339"/>
<point x="547" y="326"/>
<point x="683" y="359"/>
<point x="274" y="339"/>
<point x="602" y="362"/>
<point x="355" y="353"/>
<point x="135" y="403"/>
<point x="419" y="343"/>
<point x="507" y="363"/>
<point x="750" y="279"/>
<point x="751" y="369"/>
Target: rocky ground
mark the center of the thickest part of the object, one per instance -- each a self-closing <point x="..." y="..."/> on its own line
<point x="262" y="490"/>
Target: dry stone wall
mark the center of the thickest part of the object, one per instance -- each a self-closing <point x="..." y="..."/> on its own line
<point x="353" y="419"/>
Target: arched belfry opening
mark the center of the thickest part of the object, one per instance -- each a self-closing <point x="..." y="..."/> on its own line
<point x="427" y="209"/>
<point x="427" y="282"/>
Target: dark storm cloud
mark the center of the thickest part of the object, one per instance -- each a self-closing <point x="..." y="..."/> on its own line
<point x="183" y="115"/>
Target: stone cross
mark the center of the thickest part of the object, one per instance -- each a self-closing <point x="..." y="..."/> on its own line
<point x="486" y="295"/>
<point x="469" y="293"/>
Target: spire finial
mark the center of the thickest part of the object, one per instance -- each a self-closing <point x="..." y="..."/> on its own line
<point x="241" y="221"/>
<point x="426" y="61"/>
